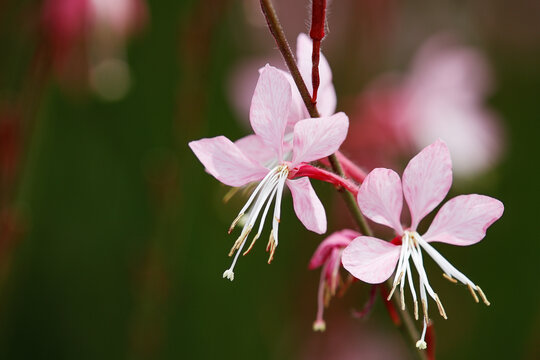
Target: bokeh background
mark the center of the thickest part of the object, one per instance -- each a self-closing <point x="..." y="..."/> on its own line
<point x="113" y="238"/>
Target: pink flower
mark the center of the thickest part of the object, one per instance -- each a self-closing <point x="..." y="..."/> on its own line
<point x="443" y="96"/>
<point x="328" y="255"/>
<point x="265" y="157"/>
<point x="461" y="221"/>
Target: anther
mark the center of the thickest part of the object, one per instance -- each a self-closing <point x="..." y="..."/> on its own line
<point x="473" y="293"/>
<point x="394" y="286"/>
<point x="440" y="306"/>
<point x="228" y="196"/>
<point x="231" y="228"/>
<point x="240" y="240"/>
<point x="416" y="309"/>
<point x="482" y="295"/>
<point x="271" y="246"/>
<point x="402" y="300"/>
<point x="251" y="245"/>
<point x="449" y="278"/>
<point x="424" y="308"/>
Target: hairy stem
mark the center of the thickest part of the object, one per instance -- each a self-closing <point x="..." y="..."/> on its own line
<point x="277" y="32"/>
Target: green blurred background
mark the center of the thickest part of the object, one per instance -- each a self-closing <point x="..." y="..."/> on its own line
<point x="121" y="236"/>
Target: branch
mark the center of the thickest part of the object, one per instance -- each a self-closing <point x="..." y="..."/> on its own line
<point x="277" y="32"/>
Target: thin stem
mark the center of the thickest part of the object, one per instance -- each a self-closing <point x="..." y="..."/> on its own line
<point x="277" y="32"/>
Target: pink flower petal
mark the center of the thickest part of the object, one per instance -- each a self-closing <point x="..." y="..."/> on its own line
<point x="426" y="180"/>
<point x="307" y="205"/>
<point x="339" y="239"/>
<point x="326" y="100"/>
<point x="370" y="259"/>
<point x="270" y="107"/>
<point x="381" y="199"/>
<point x="256" y="149"/>
<point x="223" y="160"/>
<point x="318" y="138"/>
<point x="464" y="220"/>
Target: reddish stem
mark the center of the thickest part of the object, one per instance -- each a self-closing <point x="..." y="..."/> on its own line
<point x="324" y="175"/>
<point x="392" y="311"/>
<point x="318" y="19"/>
<point x="430" y="340"/>
<point x="351" y="169"/>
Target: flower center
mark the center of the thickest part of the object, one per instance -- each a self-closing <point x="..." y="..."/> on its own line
<point x="260" y="200"/>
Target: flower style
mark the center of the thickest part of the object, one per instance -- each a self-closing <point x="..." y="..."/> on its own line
<point x="268" y="158"/>
<point x="461" y="221"/>
<point x="328" y="255"/>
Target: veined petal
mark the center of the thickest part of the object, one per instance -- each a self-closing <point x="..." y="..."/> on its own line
<point x="307" y="206"/>
<point x="426" y="180"/>
<point x="464" y="220"/>
<point x="224" y="160"/>
<point x="319" y="137"/>
<point x="326" y="100"/>
<point x="256" y="149"/>
<point x="339" y="239"/>
<point x="370" y="259"/>
<point x="270" y="107"/>
<point x="381" y="199"/>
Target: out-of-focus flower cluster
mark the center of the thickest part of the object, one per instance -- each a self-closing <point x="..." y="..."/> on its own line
<point x="443" y="95"/>
<point x="86" y="40"/>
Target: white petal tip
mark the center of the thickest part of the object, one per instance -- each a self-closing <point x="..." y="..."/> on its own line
<point x="421" y="344"/>
<point x="229" y="274"/>
<point x="319" y="325"/>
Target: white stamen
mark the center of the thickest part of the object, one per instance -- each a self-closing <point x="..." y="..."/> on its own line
<point x="270" y="187"/>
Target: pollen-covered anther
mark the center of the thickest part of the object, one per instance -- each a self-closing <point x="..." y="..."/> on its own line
<point x="396" y="283"/>
<point x="228" y="196"/>
<point x="482" y="295"/>
<point x="251" y="245"/>
<point x="235" y="221"/>
<point x="449" y="278"/>
<point x="241" y="239"/>
<point x="473" y="293"/>
<point x="271" y="247"/>
<point x="441" y="307"/>
<point x="424" y="309"/>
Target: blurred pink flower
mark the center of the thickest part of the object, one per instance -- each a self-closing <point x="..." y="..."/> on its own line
<point x="442" y="96"/>
<point x="265" y="157"/>
<point x="328" y="255"/>
<point x="461" y="221"/>
<point x="86" y="39"/>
